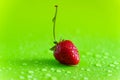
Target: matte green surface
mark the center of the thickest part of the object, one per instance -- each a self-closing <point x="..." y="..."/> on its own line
<point x="26" y="37"/>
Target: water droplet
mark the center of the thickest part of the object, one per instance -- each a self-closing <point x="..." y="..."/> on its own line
<point x="117" y="68"/>
<point x="104" y="62"/>
<point x="112" y="65"/>
<point x="53" y="78"/>
<point x="58" y="70"/>
<point x="97" y="56"/>
<point x="74" y="77"/>
<point x="35" y="79"/>
<point x="44" y="69"/>
<point x="105" y="57"/>
<point x="113" y="57"/>
<point x="109" y="71"/>
<point x="98" y="65"/>
<point x="30" y="71"/>
<point x="116" y="63"/>
<point x="11" y="79"/>
<point x="109" y="74"/>
<point x="24" y="64"/>
<point x="22" y="77"/>
<point x="30" y="76"/>
<point x="52" y="69"/>
<point x="22" y="72"/>
<point x="68" y="72"/>
<point x="37" y="69"/>
<point x="63" y="70"/>
<point x="48" y="75"/>
<point x="80" y="75"/>
<point x="83" y="56"/>
<point x="106" y="53"/>
<point x="82" y="69"/>
<point x="85" y="78"/>
<point x="65" y="74"/>
<point x="88" y="69"/>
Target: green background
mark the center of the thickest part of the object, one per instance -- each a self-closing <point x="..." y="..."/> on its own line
<point x="26" y="37"/>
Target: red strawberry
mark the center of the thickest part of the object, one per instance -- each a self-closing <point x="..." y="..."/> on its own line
<point x="64" y="51"/>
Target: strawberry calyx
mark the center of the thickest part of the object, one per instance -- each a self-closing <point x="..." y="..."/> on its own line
<point x="53" y="48"/>
<point x="55" y="42"/>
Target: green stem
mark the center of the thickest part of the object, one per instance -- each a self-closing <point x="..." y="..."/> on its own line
<point x="54" y="23"/>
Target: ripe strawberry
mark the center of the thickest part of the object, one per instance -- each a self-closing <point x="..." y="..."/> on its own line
<point x="64" y="51"/>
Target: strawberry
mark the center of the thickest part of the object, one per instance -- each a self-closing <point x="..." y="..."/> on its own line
<point x="64" y="51"/>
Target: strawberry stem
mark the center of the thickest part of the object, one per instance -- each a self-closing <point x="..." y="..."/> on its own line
<point x="54" y="23"/>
